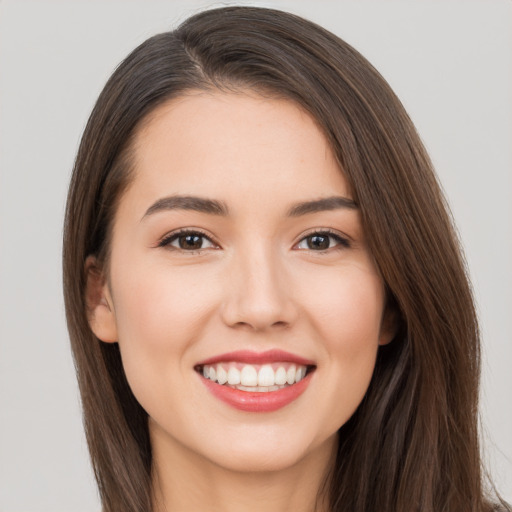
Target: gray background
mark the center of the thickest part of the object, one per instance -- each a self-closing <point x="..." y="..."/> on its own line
<point x="451" y="64"/>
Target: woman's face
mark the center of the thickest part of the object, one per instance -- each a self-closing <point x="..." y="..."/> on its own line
<point x="237" y="253"/>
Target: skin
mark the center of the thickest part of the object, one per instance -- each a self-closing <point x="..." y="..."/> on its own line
<point x="255" y="284"/>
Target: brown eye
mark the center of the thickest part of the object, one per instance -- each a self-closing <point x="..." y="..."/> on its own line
<point x="187" y="241"/>
<point x="193" y="242"/>
<point x="318" y="242"/>
<point x="323" y="241"/>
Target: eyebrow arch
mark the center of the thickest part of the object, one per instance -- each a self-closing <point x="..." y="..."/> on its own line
<point x="320" y="205"/>
<point x="213" y="207"/>
<point x="198" y="204"/>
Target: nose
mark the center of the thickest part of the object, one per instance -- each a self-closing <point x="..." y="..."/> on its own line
<point x="258" y="293"/>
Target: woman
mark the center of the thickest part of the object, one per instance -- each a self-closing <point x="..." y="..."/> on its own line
<point x="272" y="308"/>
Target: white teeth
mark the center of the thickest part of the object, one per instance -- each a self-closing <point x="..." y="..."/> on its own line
<point x="233" y="376"/>
<point x="222" y="375"/>
<point x="259" y="389"/>
<point x="266" y="376"/>
<point x="255" y="378"/>
<point x="290" y="374"/>
<point x="249" y="376"/>
<point x="280" y="377"/>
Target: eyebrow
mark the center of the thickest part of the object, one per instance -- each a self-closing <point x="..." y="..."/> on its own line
<point x="321" y="205"/>
<point x="198" y="204"/>
<point x="214" y="207"/>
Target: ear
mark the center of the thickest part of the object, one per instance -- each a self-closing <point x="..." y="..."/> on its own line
<point x="389" y="324"/>
<point x="100" y="310"/>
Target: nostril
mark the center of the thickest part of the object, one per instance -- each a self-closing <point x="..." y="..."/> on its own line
<point x="281" y="324"/>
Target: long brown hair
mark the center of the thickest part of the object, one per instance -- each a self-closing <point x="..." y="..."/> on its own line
<point x="412" y="445"/>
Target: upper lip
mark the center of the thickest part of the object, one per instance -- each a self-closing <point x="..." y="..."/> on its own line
<point x="252" y="357"/>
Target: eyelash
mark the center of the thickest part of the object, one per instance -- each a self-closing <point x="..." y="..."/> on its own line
<point x="171" y="237"/>
<point x="341" y="242"/>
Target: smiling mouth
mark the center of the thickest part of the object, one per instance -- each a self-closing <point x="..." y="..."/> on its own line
<point x="255" y="378"/>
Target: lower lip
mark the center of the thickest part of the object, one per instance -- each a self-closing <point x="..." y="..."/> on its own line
<point x="267" y="401"/>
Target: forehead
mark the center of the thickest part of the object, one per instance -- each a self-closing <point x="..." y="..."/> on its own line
<point x="234" y="145"/>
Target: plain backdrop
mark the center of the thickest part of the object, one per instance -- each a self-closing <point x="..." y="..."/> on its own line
<point x="449" y="61"/>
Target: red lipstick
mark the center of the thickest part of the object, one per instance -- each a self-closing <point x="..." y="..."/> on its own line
<point x="254" y="401"/>
<point x="257" y="401"/>
<point x="250" y="357"/>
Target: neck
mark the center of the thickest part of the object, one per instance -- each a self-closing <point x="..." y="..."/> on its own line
<point x="183" y="480"/>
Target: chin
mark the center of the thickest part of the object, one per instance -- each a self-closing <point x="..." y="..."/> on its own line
<point x="267" y="454"/>
<point x="259" y="461"/>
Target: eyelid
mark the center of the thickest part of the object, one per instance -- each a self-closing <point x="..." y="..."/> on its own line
<point x="344" y="241"/>
<point x="170" y="237"/>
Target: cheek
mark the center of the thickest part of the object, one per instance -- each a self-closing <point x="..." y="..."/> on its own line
<point x="345" y="313"/>
<point x="155" y="305"/>
<point x="159" y="315"/>
<point x="346" y="308"/>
